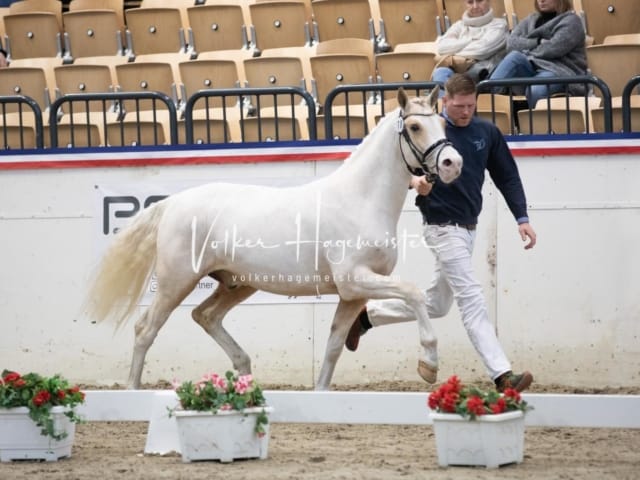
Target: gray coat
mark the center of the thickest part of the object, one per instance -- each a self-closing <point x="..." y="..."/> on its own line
<point x="563" y="49"/>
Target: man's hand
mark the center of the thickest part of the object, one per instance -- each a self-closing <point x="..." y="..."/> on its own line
<point x="420" y="185"/>
<point x="526" y="231"/>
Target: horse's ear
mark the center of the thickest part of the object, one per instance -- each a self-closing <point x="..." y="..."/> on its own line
<point x="403" y="98"/>
<point x="433" y="97"/>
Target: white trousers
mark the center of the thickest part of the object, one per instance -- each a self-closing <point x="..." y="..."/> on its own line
<point x="453" y="278"/>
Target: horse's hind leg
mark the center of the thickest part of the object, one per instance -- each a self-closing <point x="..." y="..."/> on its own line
<point x="209" y="315"/>
<point x="147" y="328"/>
<point x="342" y="321"/>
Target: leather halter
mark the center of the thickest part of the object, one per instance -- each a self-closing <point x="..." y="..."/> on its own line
<point x="435" y="148"/>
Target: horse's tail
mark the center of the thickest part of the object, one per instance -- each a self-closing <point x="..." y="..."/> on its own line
<point x="126" y="268"/>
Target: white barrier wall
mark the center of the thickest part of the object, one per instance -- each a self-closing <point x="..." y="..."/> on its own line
<point x="568" y="310"/>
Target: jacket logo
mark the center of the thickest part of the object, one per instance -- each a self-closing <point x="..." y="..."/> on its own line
<point x="480" y="144"/>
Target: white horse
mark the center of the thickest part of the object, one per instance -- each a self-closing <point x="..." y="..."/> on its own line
<point x="330" y="236"/>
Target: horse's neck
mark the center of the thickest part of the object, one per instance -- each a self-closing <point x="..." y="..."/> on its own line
<point x="375" y="171"/>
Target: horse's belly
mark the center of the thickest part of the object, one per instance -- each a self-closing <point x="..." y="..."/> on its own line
<point x="295" y="284"/>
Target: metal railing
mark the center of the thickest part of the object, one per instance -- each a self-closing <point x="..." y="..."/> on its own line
<point x="283" y="103"/>
<point x="114" y="116"/>
<point x="516" y="88"/>
<point x="626" y="103"/>
<point x="288" y="107"/>
<point x="18" y="102"/>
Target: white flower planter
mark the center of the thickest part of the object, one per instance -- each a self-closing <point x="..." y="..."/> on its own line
<point x="224" y="436"/>
<point x="20" y="438"/>
<point x="489" y="440"/>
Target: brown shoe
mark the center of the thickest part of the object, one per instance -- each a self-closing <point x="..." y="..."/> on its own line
<point x="359" y="328"/>
<point x="519" y="382"/>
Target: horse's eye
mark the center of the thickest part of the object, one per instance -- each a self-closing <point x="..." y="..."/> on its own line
<point x="415" y="128"/>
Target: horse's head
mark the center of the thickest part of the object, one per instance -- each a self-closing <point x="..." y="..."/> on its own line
<point x="422" y="138"/>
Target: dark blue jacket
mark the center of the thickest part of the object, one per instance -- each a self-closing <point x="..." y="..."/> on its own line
<point x="482" y="147"/>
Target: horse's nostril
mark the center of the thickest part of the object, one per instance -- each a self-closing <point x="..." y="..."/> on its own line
<point x="447" y="162"/>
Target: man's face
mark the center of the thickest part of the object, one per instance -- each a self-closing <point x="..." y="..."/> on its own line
<point x="460" y="108"/>
<point x="477" y="8"/>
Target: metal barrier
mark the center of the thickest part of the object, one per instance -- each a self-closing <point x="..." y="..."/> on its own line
<point x="373" y="103"/>
<point x="22" y="128"/>
<point x="120" y="117"/>
<point x="626" y="103"/>
<point x="515" y="88"/>
<point x="249" y="106"/>
<point x="287" y="108"/>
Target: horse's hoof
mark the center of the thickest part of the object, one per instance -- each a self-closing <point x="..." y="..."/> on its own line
<point x="428" y="373"/>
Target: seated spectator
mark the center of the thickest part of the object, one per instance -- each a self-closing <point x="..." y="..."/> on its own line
<point x="475" y="44"/>
<point x="548" y="43"/>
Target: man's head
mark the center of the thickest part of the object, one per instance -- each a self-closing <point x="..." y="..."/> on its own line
<point x="477" y="8"/>
<point x="460" y="99"/>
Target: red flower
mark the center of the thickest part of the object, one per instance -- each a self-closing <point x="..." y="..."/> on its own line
<point x="11" y="377"/>
<point x="512" y="393"/>
<point x="475" y="405"/>
<point x="41" y="398"/>
<point x="499" y="407"/>
<point x="19" y="383"/>
<point x="449" y="402"/>
<point x="434" y="399"/>
<point x="61" y="394"/>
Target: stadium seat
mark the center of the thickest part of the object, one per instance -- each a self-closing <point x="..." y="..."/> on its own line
<point x="343" y="19"/>
<point x="17" y="136"/>
<point x="116" y="6"/>
<point x="30" y="6"/>
<point x="28" y="81"/>
<point x="408" y="22"/>
<point x="622" y="39"/>
<point x="498" y="110"/>
<point x="558" y="115"/>
<point x="519" y="9"/>
<point x="396" y="67"/>
<point x="279" y="24"/>
<point x="17" y="121"/>
<point x="33" y="35"/>
<point x="212" y="123"/>
<point x="613" y="17"/>
<point x="616" y="113"/>
<point x="288" y="112"/>
<point x="615" y="64"/>
<point x="353" y="113"/>
<point x="91" y="117"/>
<point x="217" y="27"/>
<point x="154" y="31"/>
<point x="93" y="33"/>
<point x="147" y="77"/>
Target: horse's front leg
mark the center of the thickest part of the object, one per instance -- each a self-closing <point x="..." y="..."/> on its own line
<point x="371" y="285"/>
<point x="342" y="320"/>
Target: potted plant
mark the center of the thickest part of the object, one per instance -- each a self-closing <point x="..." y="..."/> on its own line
<point x="222" y="418"/>
<point x="37" y="416"/>
<point x="477" y="427"/>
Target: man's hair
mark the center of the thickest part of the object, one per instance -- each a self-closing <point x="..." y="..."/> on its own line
<point x="563" y="6"/>
<point x="460" y="84"/>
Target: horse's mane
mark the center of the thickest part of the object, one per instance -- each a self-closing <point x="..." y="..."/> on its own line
<point x="364" y="144"/>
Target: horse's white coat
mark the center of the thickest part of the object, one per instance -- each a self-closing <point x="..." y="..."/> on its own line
<point x="333" y="235"/>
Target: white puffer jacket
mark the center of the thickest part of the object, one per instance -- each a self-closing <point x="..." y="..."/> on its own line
<point x="480" y="38"/>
